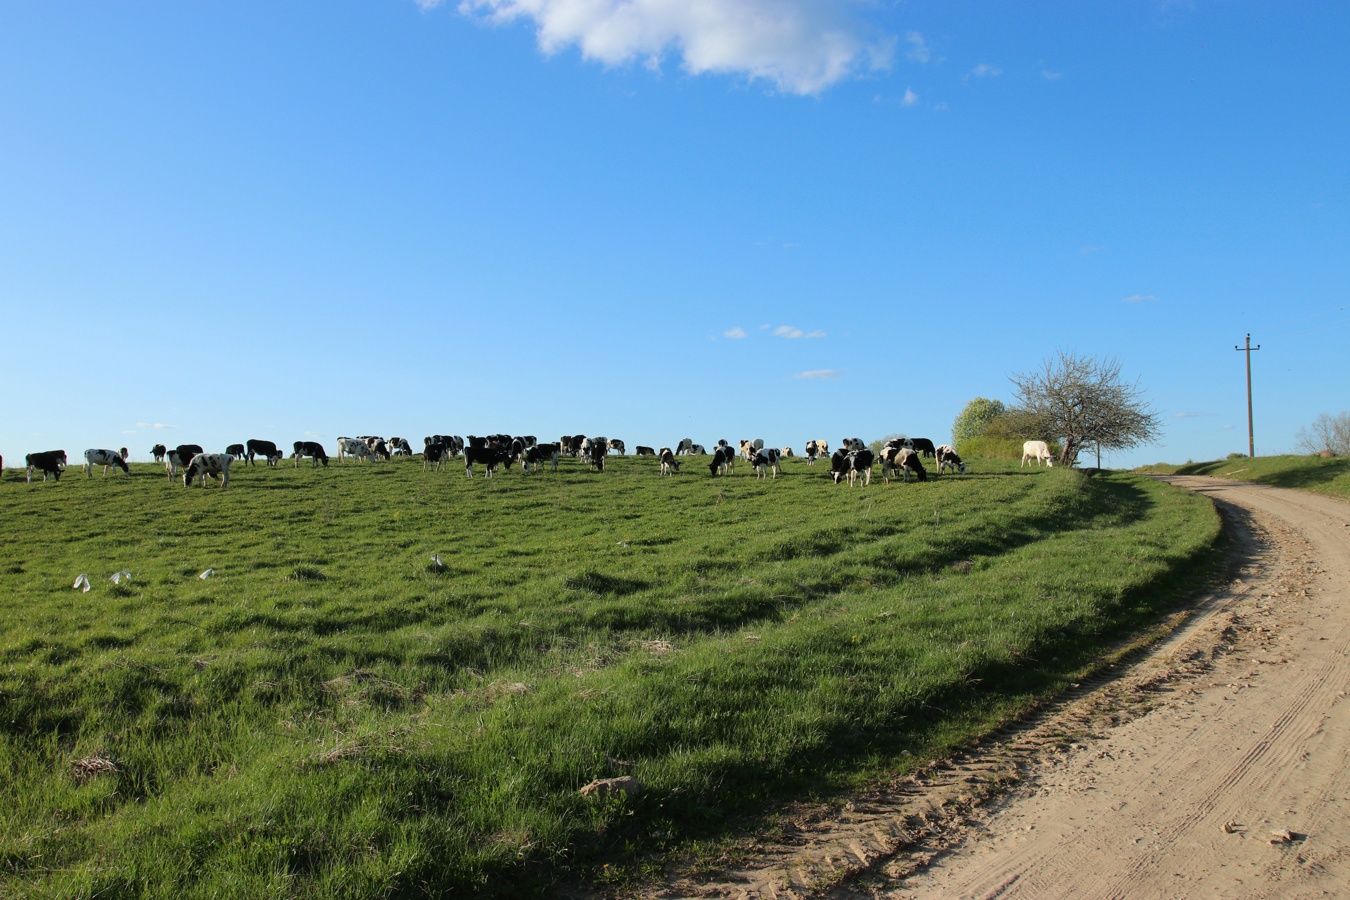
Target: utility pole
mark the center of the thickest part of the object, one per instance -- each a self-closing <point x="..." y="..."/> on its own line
<point x="1251" y="440"/>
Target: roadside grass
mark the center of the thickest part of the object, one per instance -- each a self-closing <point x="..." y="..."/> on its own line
<point x="334" y="714"/>
<point x="1307" y="473"/>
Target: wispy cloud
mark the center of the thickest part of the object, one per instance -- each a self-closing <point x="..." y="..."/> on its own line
<point x="1140" y="298"/>
<point x="313" y="434"/>
<point x="1051" y="76"/>
<point x="825" y="374"/>
<point x="156" y="425"/>
<point x="1089" y="249"/>
<point x="985" y="70"/>
<point x="1228" y="428"/>
<point x="1192" y="415"/>
<point x="918" y="48"/>
<point x="800" y="46"/>
<point x="788" y="331"/>
<point x="910" y="98"/>
<point x="738" y="332"/>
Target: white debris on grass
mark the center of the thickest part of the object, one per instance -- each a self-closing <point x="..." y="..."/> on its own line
<point x="82" y="581"/>
<point x="207" y="574"/>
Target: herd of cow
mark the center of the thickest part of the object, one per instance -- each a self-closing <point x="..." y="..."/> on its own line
<point x="851" y="462"/>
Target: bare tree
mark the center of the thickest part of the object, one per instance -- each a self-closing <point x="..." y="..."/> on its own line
<point x="1326" y="433"/>
<point x="1082" y="402"/>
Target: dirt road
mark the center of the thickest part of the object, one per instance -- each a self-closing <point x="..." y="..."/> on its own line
<point x="1217" y="766"/>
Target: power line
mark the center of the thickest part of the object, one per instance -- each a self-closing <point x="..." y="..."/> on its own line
<point x="1251" y="440"/>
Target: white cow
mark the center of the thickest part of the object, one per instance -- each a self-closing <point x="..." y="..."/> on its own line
<point x="1039" y="451"/>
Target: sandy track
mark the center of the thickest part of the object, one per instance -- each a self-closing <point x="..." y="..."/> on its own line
<point x="1170" y="780"/>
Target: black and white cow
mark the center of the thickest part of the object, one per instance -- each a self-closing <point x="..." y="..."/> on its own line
<point x="853" y="443"/>
<point x="235" y="450"/>
<point x="644" y="451"/>
<point x="158" y="452"/>
<point x="765" y="462"/>
<point x="684" y="447"/>
<point x="313" y="449"/>
<point x="356" y="448"/>
<point x="265" y="449"/>
<point x="538" y="454"/>
<point x="173" y="463"/>
<point x="722" y="461"/>
<point x="860" y="466"/>
<point x="435" y="455"/>
<point x="208" y="464"/>
<point x="104" y="458"/>
<point x="187" y="451"/>
<point x="947" y="458"/>
<point x="616" y="446"/>
<point x="596" y="457"/>
<point x="669" y="464"/>
<point x="379" y="449"/>
<point x="697" y="450"/>
<point x="786" y="453"/>
<point x="815" y="449"/>
<point x="51" y="462"/>
<point x="399" y="446"/>
<point x="489" y="457"/>
<point x="840" y="464"/>
<point x="897" y="460"/>
<point x="923" y="447"/>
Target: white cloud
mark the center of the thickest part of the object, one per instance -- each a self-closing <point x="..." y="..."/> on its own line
<point x="788" y="331"/>
<point x="984" y="70"/>
<point x="737" y="332"/>
<point x="157" y="425"/>
<point x="910" y="98"/>
<point x="314" y="434"/>
<point x="1051" y="76"/>
<point x="826" y="374"/>
<point x="801" y="46"/>
<point x="918" y="48"/>
<point x="1192" y="415"/>
<point x="428" y="5"/>
<point x="1140" y="298"/>
<point x="1228" y="428"/>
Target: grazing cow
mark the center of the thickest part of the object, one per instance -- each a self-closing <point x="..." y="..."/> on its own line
<point x="722" y="461"/>
<point x="815" y="449"/>
<point x="208" y="464"/>
<point x="489" y="457"/>
<point x="538" y="454"/>
<point x="1037" y="450"/>
<point x="786" y="453"/>
<point x="158" y="452"/>
<point x="354" y="447"/>
<point x="669" y="464"/>
<point x="572" y="445"/>
<point x="124" y="454"/>
<point x="896" y="460"/>
<point x="265" y="449"/>
<point x="947" y="458"/>
<point x="616" y="446"/>
<point x="452" y="443"/>
<point x="399" y="446"/>
<point x="923" y="447"/>
<point x="697" y="450"/>
<point x="49" y="461"/>
<point x="235" y="450"/>
<point x="435" y="455"/>
<point x="379" y="449"/>
<point x="104" y="458"/>
<point x="853" y="444"/>
<point x="685" y="447"/>
<point x="313" y="449"/>
<point x="599" y="447"/>
<point x="840" y="464"/>
<point x="644" y="451"/>
<point x="187" y="451"/>
<point x="765" y="462"/>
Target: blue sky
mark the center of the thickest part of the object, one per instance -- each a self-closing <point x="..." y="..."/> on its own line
<point x="655" y="219"/>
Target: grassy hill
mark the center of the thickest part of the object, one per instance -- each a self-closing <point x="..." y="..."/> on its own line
<point x="331" y="714"/>
<point x="1308" y="473"/>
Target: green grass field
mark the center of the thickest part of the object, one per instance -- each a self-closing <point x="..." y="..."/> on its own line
<point x="332" y="715"/>
<point x="1308" y="473"/>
